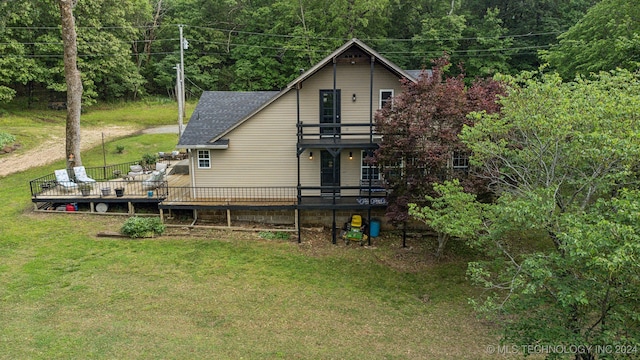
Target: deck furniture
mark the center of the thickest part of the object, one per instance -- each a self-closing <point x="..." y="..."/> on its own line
<point x="81" y="175"/>
<point x="63" y="180"/>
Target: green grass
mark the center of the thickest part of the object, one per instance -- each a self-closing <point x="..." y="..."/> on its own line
<point x="65" y="293"/>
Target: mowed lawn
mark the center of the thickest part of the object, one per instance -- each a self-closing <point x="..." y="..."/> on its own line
<point x="67" y="294"/>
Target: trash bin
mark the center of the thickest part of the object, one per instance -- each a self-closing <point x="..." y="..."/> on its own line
<point x="374" y="229"/>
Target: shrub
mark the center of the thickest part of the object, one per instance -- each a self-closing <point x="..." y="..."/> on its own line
<point x="149" y="159"/>
<point x="278" y="235"/>
<point x="119" y="149"/>
<point x="6" y="139"/>
<point x="137" y="227"/>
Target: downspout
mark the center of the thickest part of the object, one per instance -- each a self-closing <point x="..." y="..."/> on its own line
<point x="373" y="61"/>
<point x="333" y="190"/>
<point x="192" y="173"/>
<point x="299" y="191"/>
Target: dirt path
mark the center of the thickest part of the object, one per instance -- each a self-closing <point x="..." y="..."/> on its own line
<point x="53" y="149"/>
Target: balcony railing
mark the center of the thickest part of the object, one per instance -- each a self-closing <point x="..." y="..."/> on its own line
<point x="343" y="131"/>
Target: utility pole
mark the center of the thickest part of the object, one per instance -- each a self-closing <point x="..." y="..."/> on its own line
<point x="179" y="97"/>
<point x="184" y="44"/>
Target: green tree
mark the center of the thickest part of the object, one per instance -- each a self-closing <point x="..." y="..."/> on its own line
<point x="452" y="214"/>
<point x="560" y="156"/>
<point x="608" y="37"/>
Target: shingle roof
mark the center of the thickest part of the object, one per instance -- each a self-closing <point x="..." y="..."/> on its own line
<point x="217" y="112"/>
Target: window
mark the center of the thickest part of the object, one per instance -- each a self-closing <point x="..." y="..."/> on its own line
<point x="367" y="170"/>
<point x="460" y="160"/>
<point x="386" y="96"/>
<point x="204" y="159"/>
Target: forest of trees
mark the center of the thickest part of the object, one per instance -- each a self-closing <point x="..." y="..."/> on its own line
<point x="129" y="49"/>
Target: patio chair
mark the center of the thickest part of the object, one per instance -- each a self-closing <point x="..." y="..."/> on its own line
<point x="81" y="175"/>
<point x="161" y="167"/>
<point x="156" y="179"/>
<point x="62" y="179"/>
<point x="135" y="171"/>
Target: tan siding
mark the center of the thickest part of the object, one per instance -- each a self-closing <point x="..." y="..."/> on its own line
<point x="351" y="79"/>
<point x="262" y="151"/>
<point x="350" y="171"/>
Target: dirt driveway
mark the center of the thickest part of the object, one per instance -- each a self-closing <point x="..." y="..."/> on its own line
<point x="53" y="149"/>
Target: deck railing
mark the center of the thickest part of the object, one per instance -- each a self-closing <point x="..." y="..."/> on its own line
<point x="47" y="184"/>
<point x="235" y="195"/>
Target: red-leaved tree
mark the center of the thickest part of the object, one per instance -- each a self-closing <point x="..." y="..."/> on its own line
<point x="420" y="130"/>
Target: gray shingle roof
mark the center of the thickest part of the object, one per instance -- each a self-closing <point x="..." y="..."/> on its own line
<point x="217" y="112"/>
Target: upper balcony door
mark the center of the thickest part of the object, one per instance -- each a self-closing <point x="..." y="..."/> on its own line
<point x="329" y="112"/>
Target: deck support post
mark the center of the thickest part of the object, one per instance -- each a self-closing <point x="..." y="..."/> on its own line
<point x="92" y="207"/>
<point x="296" y="222"/>
<point x="333" y="227"/>
<point x="161" y="215"/>
<point x="131" y="209"/>
<point x="228" y="217"/>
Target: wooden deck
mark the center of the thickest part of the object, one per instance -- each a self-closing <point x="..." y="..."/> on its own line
<point x="176" y="193"/>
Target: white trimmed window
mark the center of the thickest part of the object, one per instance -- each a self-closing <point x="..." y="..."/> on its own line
<point x="386" y="96"/>
<point x="368" y="171"/>
<point x="204" y="159"/>
<point x="460" y="160"/>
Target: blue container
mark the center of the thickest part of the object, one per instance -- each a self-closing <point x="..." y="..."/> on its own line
<point x="374" y="229"/>
<point x="150" y="193"/>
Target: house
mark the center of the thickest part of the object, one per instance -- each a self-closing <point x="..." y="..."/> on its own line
<point x="303" y="148"/>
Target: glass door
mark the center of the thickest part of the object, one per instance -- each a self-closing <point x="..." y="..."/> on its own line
<point x="329" y="172"/>
<point x="329" y="112"/>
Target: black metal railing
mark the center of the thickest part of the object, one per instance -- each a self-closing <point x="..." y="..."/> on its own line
<point x="229" y="195"/>
<point x="48" y="185"/>
<point x="336" y="131"/>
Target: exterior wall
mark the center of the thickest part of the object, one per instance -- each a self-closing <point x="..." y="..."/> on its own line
<point x="262" y="150"/>
<point x="261" y="153"/>
<point x="350" y="79"/>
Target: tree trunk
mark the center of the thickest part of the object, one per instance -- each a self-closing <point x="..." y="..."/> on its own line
<point x="442" y="242"/>
<point x="74" y="83"/>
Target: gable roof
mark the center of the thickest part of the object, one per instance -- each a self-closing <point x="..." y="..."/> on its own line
<point x="353" y="42"/>
<point x="217" y="112"/>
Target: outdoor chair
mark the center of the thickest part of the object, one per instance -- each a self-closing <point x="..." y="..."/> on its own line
<point x="135" y="171"/>
<point x="62" y="178"/>
<point x="156" y="179"/>
<point x="161" y="167"/>
<point x="81" y="175"/>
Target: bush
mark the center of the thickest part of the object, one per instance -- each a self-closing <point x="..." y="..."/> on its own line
<point x="149" y="159"/>
<point x="119" y="149"/>
<point x="6" y="139"/>
<point x="278" y="235"/>
<point x="138" y="227"/>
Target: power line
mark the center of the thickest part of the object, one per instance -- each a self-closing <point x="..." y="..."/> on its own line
<point x="302" y="37"/>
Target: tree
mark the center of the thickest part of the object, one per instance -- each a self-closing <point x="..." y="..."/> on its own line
<point x="608" y="37"/>
<point x="420" y="135"/>
<point x="74" y="83"/>
<point x="561" y="156"/>
<point x="453" y="213"/>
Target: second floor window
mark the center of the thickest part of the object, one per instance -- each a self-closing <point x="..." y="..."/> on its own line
<point x="386" y="97"/>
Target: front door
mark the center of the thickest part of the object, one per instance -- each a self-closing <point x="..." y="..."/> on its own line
<point x="328" y="108"/>
<point x="329" y="171"/>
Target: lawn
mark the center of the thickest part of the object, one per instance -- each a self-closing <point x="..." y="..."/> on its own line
<point x="66" y="293"/>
